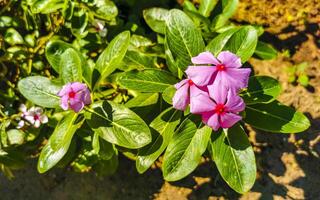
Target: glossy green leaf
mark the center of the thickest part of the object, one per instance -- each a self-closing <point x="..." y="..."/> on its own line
<point x="79" y="22"/>
<point x="265" y="51"/>
<point x="40" y="90"/>
<point x="101" y="147"/>
<point x="217" y="44"/>
<point x="107" y="167"/>
<point x="111" y="57"/>
<point x="164" y="126"/>
<point x="142" y="100"/>
<point x="150" y="80"/>
<point x="118" y="125"/>
<point x="13" y="37"/>
<point x="234" y="158"/>
<point x="168" y="94"/>
<point x="206" y="7"/>
<point x="139" y="60"/>
<point x="275" y="117"/>
<point x="228" y="9"/>
<point x="45" y="6"/>
<point x="261" y="89"/>
<point x="54" y="51"/>
<point x="183" y="38"/>
<point x="155" y="18"/>
<point x="70" y="65"/>
<point x="185" y="150"/>
<point x="105" y="9"/>
<point x="243" y="42"/>
<point x="16" y="136"/>
<point x="59" y="142"/>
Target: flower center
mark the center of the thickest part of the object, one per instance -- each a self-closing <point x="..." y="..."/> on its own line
<point x="36" y="117"/>
<point x="190" y="82"/>
<point x="220" y="109"/>
<point x="221" y="67"/>
<point x="72" y="94"/>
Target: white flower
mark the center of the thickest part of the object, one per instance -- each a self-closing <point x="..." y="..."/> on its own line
<point x="34" y="116"/>
<point x="99" y="26"/>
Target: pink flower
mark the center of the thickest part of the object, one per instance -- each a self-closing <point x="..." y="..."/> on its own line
<point x="225" y="69"/>
<point x="222" y="109"/>
<point x="75" y="96"/>
<point x="186" y="90"/>
<point x="34" y="116"/>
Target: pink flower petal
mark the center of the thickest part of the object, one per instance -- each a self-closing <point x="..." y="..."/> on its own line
<point x="43" y="119"/>
<point x="65" y="90"/>
<point x="64" y="104"/>
<point x="181" y="83"/>
<point x="181" y="98"/>
<point x="205" y="58"/>
<point x="86" y="98"/>
<point x="237" y="78"/>
<point x="77" y="106"/>
<point x="200" y="103"/>
<point x="234" y="102"/>
<point x="229" y="119"/>
<point x="230" y="60"/>
<point x="213" y="122"/>
<point x="201" y="75"/>
<point x="218" y="92"/>
<point x="37" y="124"/>
<point x="76" y="86"/>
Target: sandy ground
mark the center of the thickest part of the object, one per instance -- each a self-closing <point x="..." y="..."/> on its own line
<point x="288" y="165"/>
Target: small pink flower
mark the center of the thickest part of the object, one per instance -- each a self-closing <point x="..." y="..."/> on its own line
<point x="224" y="69"/>
<point x="186" y="90"/>
<point x="34" y="116"/>
<point x="75" y="96"/>
<point x="224" y="105"/>
<point x="100" y="27"/>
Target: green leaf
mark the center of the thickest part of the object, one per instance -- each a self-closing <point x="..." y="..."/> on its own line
<point x="16" y="137"/>
<point x="107" y="167"/>
<point x="243" y="42"/>
<point x="118" y="125"/>
<point x="183" y="38"/>
<point x="206" y="7"/>
<point x="40" y="90"/>
<point x="229" y="7"/>
<point x="102" y="148"/>
<point x="45" y="6"/>
<point x="234" y="158"/>
<point x="138" y="60"/>
<point x="79" y="22"/>
<point x="149" y="80"/>
<point x="265" y="51"/>
<point x="164" y="126"/>
<point x="105" y="9"/>
<point x="275" y="117"/>
<point x="168" y="94"/>
<point x="261" y="89"/>
<point x="13" y="37"/>
<point x="54" y="51"/>
<point x="111" y="57"/>
<point x="59" y="142"/>
<point x="217" y="44"/>
<point x="185" y="150"/>
<point x="155" y="18"/>
<point x="142" y="100"/>
<point x="70" y="65"/>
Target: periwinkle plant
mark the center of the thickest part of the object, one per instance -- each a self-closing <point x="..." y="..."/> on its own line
<point x="113" y="103"/>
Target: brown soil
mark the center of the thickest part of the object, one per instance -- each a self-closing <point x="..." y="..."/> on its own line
<point x="288" y="165"/>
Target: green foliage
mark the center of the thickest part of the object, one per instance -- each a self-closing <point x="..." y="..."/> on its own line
<point x="130" y="70"/>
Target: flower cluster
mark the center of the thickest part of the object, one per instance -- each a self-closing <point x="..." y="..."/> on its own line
<point x="75" y="96"/>
<point x="33" y="116"/>
<point x="211" y="89"/>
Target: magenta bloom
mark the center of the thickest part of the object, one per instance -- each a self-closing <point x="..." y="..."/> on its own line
<point x="186" y="91"/>
<point x="224" y="106"/>
<point x="225" y="69"/>
<point x="75" y="96"/>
